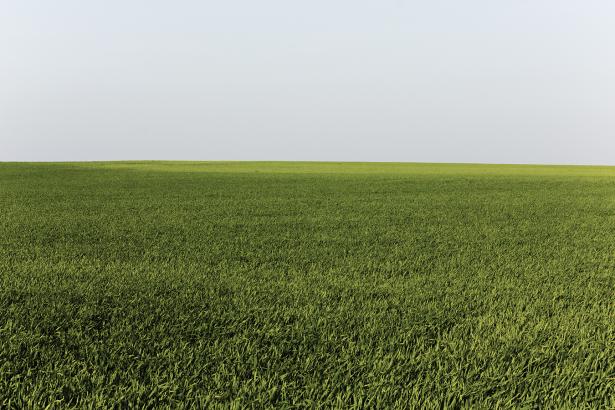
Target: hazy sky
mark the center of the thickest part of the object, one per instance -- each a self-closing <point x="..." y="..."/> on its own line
<point x="516" y="81"/>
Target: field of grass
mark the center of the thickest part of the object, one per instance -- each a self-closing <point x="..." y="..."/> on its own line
<point x="306" y="285"/>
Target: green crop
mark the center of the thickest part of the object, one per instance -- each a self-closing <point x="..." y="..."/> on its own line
<point x="204" y="284"/>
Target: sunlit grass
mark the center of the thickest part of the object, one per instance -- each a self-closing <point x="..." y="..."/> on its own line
<point x="306" y="284"/>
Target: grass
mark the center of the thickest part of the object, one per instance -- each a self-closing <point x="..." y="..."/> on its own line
<point x="189" y="284"/>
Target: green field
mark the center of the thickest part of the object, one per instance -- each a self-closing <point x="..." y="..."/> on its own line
<point x="203" y="284"/>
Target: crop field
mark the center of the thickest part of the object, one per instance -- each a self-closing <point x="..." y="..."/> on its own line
<point x="293" y="285"/>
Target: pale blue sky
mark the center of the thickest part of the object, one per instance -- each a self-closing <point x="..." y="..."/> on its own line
<point x="516" y="81"/>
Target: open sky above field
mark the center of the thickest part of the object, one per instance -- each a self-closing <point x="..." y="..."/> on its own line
<point x="392" y="80"/>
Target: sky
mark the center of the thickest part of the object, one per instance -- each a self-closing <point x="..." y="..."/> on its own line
<point x="509" y="81"/>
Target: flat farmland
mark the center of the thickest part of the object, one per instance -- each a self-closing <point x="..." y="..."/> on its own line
<point x="293" y="285"/>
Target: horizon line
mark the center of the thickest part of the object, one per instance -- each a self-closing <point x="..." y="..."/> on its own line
<point x="554" y="164"/>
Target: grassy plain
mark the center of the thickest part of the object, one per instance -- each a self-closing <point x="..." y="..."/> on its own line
<point x="306" y="285"/>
